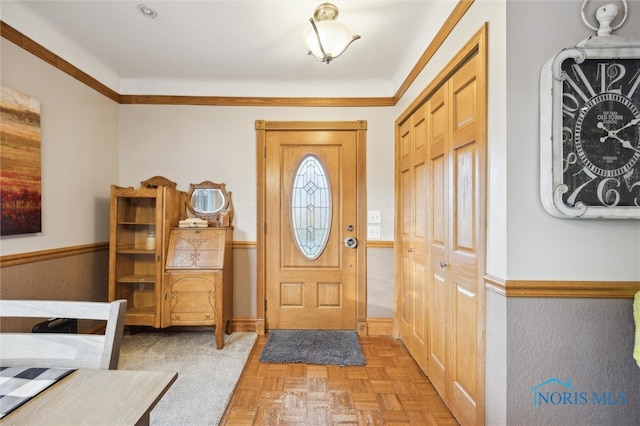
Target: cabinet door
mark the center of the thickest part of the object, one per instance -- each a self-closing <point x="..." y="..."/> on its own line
<point x="196" y="249"/>
<point x="135" y="268"/>
<point x="191" y="298"/>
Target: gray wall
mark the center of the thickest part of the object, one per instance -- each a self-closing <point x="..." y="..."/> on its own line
<point x="588" y="342"/>
<point x="79" y="277"/>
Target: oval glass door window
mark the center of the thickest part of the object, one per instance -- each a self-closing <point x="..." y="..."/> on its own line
<point x="311" y="207"/>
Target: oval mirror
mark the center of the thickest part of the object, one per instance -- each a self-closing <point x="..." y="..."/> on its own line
<point x="211" y="202"/>
<point x="207" y="201"/>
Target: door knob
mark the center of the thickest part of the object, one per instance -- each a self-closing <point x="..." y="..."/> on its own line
<point x="443" y="264"/>
<point x="350" y="242"/>
<point x="410" y="249"/>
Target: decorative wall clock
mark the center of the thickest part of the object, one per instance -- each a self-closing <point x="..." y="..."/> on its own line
<point x="590" y="125"/>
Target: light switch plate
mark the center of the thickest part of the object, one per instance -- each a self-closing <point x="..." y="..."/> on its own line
<point x="373" y="231"/>
<point x="374" y="216"/>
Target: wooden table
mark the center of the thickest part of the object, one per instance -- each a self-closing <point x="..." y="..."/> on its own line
<point x="96" y="397"/>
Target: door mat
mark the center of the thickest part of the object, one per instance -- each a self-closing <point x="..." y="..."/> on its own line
<point x="327" y="347"/>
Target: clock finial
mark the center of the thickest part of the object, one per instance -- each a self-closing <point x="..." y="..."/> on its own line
<point x="605" y="15"/>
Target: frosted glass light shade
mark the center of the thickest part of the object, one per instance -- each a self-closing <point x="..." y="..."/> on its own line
<point x="335" y="37"/>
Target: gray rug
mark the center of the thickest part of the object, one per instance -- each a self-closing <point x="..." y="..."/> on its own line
<point x="328" y="347"/>
<point x="206" y="376"/>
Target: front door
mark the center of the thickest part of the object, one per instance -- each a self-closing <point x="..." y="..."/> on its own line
<point x="312" y="241"/>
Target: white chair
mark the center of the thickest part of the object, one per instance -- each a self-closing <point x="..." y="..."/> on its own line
<point x="93" y="351"/>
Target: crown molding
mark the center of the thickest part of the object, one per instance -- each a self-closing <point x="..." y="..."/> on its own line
<point x="51" y="58"/>
<point x="21" y="40"/>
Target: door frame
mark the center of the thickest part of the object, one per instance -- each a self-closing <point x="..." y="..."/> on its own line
<point x="360" y="129"/>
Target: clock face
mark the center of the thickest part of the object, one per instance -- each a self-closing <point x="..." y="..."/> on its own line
<point x="601" y="132"/>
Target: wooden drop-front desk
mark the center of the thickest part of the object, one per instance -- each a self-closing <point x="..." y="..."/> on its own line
<point x="198" y="279"/>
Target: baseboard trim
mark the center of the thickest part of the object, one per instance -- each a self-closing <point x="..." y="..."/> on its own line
<point x="380" y="326"/>
<point x="243" y="324"/>
<point x="562" y="289"/>
<point x="375" y="326"/>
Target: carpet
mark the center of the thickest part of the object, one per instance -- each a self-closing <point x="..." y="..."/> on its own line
<point x="206" y="376"/>
<point x="327" y="347"/>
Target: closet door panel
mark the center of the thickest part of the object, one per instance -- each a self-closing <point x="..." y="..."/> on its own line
<point x="438" y="280"/>
<point x="463" y="268"/>
<point x="463" y="391"/>
<point x="406" y="303"/>
<point x="419" y="326"/>
<point x="419" y="244"/>
<point x="405" y="202"/>
<point x="438" y="329"/>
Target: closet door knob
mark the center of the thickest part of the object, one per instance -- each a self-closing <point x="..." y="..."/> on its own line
<point x="443" y="264"/>
<point x="410" y="250"/>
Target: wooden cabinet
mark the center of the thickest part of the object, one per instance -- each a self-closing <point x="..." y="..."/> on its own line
<point x="171" y="276"/>
<point x="198" y="279"/>
<point x="136" y="262"/>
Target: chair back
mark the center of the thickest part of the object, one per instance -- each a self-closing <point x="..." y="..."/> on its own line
<point x="93" y="351"/>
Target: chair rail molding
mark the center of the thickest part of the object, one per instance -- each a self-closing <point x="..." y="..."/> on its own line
<point x="562" y="289"/>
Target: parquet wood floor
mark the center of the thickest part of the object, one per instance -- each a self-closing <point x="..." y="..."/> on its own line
<point x="390" y="390"/>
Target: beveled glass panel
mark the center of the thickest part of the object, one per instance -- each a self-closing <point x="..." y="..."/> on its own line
<point x="311" y="207"/>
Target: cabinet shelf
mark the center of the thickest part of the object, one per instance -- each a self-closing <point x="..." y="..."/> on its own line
<point x="140" y="311"/>
<point x="134" y="250"/>
<point x="140" y="316"/>
<point x="137" y="279"/>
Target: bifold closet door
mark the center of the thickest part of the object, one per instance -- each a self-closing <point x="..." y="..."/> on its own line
<point x="455" y="239"/>
<point x="413" y="303"/>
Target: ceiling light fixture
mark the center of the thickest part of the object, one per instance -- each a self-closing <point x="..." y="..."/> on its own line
<point x="328" y="38"/>
<point x="147" y="11"/>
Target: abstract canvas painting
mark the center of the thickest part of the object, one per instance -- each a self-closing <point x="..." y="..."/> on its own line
<point x="20" y="164"/>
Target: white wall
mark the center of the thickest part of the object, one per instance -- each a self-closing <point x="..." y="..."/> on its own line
<point x="189" y="144"/>
<point x="540" y="246"/>
<point x="79" y="152"/>
<point x="494" y="14"/>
